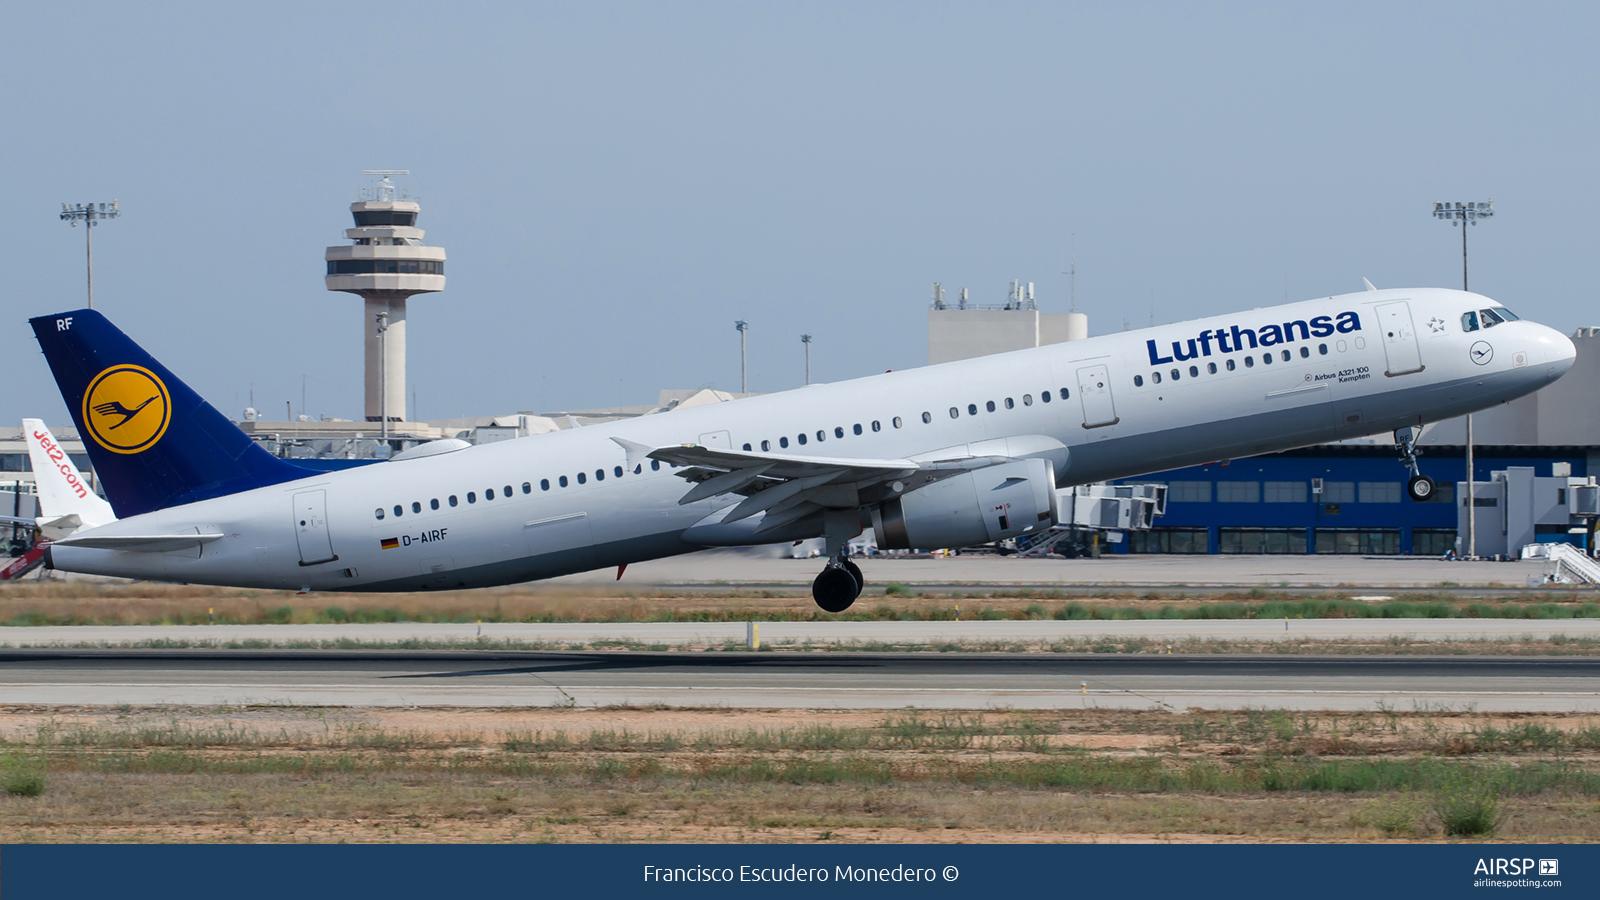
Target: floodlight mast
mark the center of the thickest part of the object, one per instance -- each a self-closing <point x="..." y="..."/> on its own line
<point x="744" y="380"/>
<point x="1464" y="214"/>
<point x="806" y="339"/>
<point x="88" y="215"/>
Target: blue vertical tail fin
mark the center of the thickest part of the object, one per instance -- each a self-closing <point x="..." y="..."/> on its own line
<point x="153" y="441"/>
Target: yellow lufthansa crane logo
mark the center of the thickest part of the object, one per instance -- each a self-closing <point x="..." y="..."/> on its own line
<point x="126" y="409"/>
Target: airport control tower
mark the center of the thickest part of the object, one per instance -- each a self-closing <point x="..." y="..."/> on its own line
<point x="385" y="264"/>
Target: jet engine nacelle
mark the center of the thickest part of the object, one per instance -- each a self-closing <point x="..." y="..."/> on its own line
<point x="977" y="507"/>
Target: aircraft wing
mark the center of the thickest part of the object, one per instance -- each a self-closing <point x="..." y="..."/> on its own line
<point x="139" y="543"/>
<point x="18" y="520"/>
<point x="789" y="488"/>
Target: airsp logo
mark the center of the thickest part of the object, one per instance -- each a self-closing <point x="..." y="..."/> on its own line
<point x="126" y="409"/>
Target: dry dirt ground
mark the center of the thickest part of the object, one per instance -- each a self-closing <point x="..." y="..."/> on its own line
<point x="87" y="602"/>
<point x="632" y="774"/>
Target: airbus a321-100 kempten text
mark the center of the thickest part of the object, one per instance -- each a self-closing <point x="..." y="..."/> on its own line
<point x="951" y="455"/>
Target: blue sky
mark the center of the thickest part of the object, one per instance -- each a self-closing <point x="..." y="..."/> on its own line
<point x="615" y="184"/>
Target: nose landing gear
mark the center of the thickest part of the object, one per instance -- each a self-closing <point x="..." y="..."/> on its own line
<point x="1420" y="487"/>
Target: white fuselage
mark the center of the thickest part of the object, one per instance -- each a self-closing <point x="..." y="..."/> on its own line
<point x="1118" y="420"/>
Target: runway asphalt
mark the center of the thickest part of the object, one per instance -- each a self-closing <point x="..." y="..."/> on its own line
<point x="794" y="680"/>
<point x="779" y="633"/>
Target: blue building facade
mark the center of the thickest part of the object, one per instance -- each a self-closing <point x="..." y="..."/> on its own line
<point x="1271" y="504"/>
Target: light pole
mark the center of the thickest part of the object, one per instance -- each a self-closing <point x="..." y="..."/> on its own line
<point x="744" y="380"/>
<point x="1464" y="214"/>
<point x="806" y="339"/>
<point x="87" y="214"/>
<point x="383" y="374"/>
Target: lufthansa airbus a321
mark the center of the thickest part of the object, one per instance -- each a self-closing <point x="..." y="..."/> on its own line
<point x="950" y="455"/>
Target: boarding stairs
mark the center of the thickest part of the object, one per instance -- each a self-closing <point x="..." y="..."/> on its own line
<point x="1569" y="564"/>
<point x="22" y="565"/>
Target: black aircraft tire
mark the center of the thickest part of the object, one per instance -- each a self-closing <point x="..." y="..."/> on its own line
<point x="834" y="590"/>
<point x="1420" y="488"/>
<point x="855" y="572"/>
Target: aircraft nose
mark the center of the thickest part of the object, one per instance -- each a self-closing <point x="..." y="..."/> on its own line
<point x="1563" y="352"/>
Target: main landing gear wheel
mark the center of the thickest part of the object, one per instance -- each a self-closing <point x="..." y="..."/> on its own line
<point x="835" y="589"/>
<point x="1420" y="487"/>
<point x="855" y="572"/>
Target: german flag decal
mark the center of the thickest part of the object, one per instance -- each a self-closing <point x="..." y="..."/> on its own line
<point x="390" y="543"/>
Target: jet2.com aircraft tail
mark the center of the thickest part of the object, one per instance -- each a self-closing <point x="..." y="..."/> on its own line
<point x="153" y="441"/>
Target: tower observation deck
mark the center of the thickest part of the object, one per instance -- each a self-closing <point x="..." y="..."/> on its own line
<point x="384" y="264"/>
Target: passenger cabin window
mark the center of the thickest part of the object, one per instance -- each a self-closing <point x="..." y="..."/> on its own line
<point x="972" y="409"/>
<point x="378" y="513"/>
<point x="1138" y="381"/>
<point x="1305" y="352"/>
<point x="897" y="420"/>
<point x="416" y="507"/>
<point x="617" y="471"/>
<point x="1322" y="349"/>
<point x="857" y="427"/>
<point x="1266" y="358"/>
<point x="955" y="413"/>
<point x="582" y="479"/>
<point x="1065" y="393"/>
<point x="1045" y="396"/>
<point x="1194" y="371"/>
<point x="1230" y="365"/>
<point x="989" y="406"/>
<point x="452" y="499"/>
<point x="821" y="436"/>
<point x="1211" y="368"/>
<point x="434" y="503"/>
<point x="398" y="510"/>
<point x="599" y="474"/>
<point x="655" y="466"/>
<point x="801" y="437"/>
<point x="783" y="442"/>
<point x="927" y="418"/>
<point x="1027" y="399"/>
<point x="488" y="494"/>
<point x="1469" y="321"/>
<point x="471" y="497"/>
<point x="878" y="427"/>
<point x="766" y="446"/>
<point x="747" y="448"/>
<point x="838" y="430"/>
<point x="1249" y="362"/>
<point x="544" y="484"/>
<point x="562" y="481"/>
<point x="1176" y="374"/>
<point x="508" y="490"/>
<point x="1155" y="377"/>
<point x="1010" y="404"/>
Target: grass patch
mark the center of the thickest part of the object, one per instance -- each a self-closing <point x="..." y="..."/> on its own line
<point x="22" y="775"/>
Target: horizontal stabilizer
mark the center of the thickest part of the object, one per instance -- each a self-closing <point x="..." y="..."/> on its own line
<point x="139" y="543"/>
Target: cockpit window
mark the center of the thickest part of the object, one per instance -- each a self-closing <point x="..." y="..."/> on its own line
<point x="1491" y="317"/>
<point x="1469" y="321"/>
<point x="1505" y="315"/>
